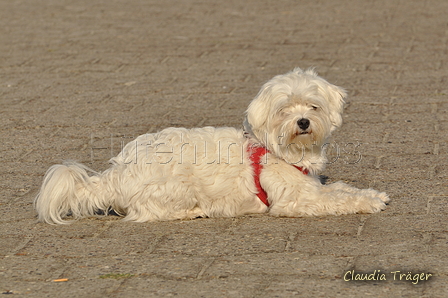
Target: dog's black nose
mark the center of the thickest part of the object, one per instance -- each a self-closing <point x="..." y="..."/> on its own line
<point x="303" y="123"/>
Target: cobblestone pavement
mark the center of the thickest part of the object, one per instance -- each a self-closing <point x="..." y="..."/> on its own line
<point x="80" y="78"/>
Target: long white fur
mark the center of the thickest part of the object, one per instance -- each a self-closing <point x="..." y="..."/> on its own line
<point x="181" y="173"/>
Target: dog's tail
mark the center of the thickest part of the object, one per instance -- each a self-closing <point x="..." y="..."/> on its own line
<point x="68" y="188"/>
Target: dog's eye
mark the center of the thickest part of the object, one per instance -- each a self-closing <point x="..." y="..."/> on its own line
<point x="315" y="107"/>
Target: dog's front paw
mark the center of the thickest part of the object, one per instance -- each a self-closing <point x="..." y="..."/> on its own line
<point x="384" y="197"/>
<point x="373" y="205"/>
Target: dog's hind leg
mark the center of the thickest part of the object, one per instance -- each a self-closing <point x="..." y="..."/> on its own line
<point x="162" y="198"/>
<point x="140" y="213"/>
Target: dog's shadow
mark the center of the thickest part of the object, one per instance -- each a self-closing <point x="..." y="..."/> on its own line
<point x="323" y="179"/>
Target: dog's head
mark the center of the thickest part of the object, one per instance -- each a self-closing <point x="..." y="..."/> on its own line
<point x="295" y="111"/>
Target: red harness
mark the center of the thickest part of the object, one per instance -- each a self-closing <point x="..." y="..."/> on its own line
<point x="256" y="153"/>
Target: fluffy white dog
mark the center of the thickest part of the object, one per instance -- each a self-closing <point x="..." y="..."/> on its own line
<point x="177" y="173"/>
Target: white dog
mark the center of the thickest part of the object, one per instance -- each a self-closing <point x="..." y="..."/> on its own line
<point x="177" y="173"/>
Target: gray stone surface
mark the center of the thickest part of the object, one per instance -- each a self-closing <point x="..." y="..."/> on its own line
<point x="79" y="78"/>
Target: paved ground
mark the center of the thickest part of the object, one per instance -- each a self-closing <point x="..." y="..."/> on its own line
<point x="79" y="78"/>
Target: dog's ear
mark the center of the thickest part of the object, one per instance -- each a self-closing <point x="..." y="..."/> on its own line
<point x="336" y="96"/>
<point x="257" y="113"/>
